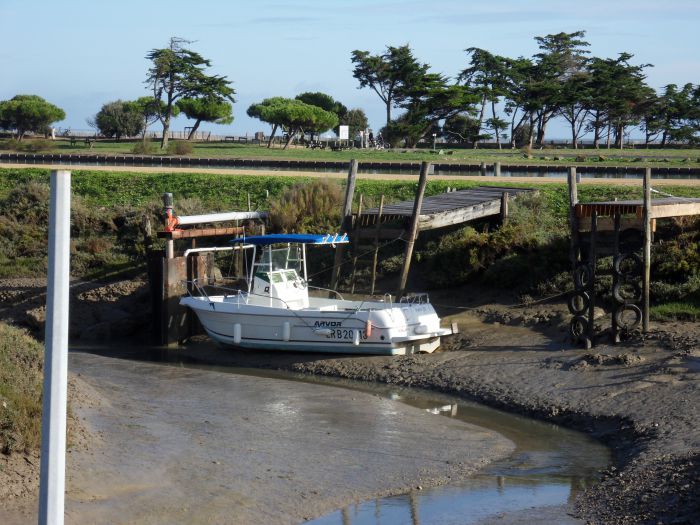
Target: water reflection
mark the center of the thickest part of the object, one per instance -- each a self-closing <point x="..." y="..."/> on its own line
<point x="549" y="468"/>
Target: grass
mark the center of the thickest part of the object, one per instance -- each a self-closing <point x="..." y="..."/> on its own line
<point x="555" y="157"/>
<point x="676" y="311"/>
<point x="109" y="207"/>
<point x="21" y="363"/>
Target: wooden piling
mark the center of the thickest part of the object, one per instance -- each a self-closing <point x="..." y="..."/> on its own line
<point x="356" y="244"/>
<point x="616" y="276"/>
<point x="504" y="208"/>
<point x="376" y="244"/>
<point x="647" y="250"/>
<point x="346" y="217"/>
<point x="573" y="223"/>
<point x="592" y="257"/>
<point x="413" y="232"/>
<point x="497" y="169"/>
<point x="483" y="169"/>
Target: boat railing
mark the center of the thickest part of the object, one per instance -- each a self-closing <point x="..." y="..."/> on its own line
<point x="336" y="292"/>
<point x="229" y="292"/>
<point x="415" y="298"/>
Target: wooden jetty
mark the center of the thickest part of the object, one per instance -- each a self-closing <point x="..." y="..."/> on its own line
<point x="405" y="220"/>
<point x="438" y="211"/>
<point x="620" y="229"/>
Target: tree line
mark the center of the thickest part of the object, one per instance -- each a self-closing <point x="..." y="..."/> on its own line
<point x="509" y="100"/>
<point x="495" y="97"/>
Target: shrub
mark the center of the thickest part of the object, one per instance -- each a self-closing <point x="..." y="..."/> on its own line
<point x="35" y="145"/>
<point x="21" y="361"/>
<point x="180" y="147"/>
<point x="307" y="207"/>
<point x="143" y="147"/>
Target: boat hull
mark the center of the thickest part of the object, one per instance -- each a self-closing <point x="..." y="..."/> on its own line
<point x="386" y="330"/>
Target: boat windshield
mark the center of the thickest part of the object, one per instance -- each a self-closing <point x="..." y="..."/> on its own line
<point x="287" y="258"/>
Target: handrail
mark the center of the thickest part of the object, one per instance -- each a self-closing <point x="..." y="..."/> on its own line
<point x="237" y="292"/>
<point x="416" y="298"/>
<point x="336" y="292"/>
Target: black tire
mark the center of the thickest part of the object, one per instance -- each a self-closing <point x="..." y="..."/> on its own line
<point x="582" y="276"/>
<point x="620" y="318"/>
<point x="628" y="264"/>
<point x="578" y="302"/>
<point x="578" y="327"/>
<point x="627" y="292"/>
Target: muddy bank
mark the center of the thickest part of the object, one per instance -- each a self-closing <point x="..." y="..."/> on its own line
<point x="98" y="311"/>
<point x="641" y="398"/>
<point x="177" y="445"/>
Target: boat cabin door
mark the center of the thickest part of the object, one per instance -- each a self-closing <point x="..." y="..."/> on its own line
<point x="280" y="274"/>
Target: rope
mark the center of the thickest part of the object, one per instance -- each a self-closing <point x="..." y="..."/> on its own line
<point x="521" y="305"/>
<point x="381" y="246"/>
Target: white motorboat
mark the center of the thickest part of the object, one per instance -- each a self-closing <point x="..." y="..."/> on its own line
<point x="275" y="311"/>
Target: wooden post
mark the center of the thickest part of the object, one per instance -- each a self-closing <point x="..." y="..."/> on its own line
<point x="616" y="276"/>
<point x="413" y="233"/>
<point x="483" y="169"/>
<point x="356" y="244"/>
<point x="376" y="244"/>
<point x="497" y="169"/>
<point x="504" y="208"/>
<point x="573" y="223"/>
<point x="347" y="212"/>
<point x="592" y="256"/>
<point x="647" y="250"/>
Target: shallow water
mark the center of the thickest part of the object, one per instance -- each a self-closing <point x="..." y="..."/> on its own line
<point x="548" y="468"/>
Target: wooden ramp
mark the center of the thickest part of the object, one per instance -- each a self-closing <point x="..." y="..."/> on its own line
<point x="445" y="209"/>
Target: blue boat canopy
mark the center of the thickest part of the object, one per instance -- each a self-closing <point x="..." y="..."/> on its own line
<point x="303" y="238"/>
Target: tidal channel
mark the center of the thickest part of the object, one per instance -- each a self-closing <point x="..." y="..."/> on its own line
<point x="536" y="482"/>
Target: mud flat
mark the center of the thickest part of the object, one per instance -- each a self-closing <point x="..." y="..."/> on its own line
<point x="641" y="398"/>
<point x="177" y="445"/>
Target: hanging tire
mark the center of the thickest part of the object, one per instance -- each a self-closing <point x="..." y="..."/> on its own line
<point x="627" y="291"/>
<point x="578" y="327"/>
<point x="628" y="316"/>
<point x="582" y="276"/>
<point x="628" y="264"/>
<point x="578" y="302"/>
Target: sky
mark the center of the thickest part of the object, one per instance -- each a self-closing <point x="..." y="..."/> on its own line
<point x="80" y="54"/>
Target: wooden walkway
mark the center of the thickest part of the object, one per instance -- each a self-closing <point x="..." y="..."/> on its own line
<point x="445" y="209"/>
<point x="660" y="208"/>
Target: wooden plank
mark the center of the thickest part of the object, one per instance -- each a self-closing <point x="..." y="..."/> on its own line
<point x="440" y="220"/>
<point x="201" y="232"/>
<point x="680" y="209"/>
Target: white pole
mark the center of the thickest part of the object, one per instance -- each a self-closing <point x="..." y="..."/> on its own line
<point x="53" y="427"/>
